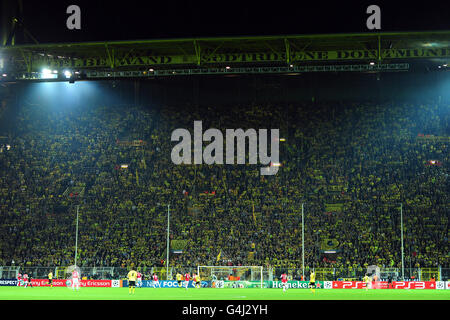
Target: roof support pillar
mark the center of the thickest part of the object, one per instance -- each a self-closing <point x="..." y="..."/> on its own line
<point x="287" y="46"/>
<point x="197" y="52"/>
<point x="110" y="59"/>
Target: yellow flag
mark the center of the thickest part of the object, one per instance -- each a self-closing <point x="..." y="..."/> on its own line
<point x="218" y="256"/>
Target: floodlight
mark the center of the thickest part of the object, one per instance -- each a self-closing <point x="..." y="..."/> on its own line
<point x="47" y="74"/>
<point x="67" y="74"/>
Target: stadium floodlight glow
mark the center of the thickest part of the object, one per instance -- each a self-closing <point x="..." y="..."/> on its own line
<point x="47" y="74"/>
<point x="67" y="74"/>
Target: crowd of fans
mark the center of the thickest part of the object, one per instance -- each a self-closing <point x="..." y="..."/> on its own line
<point x="368" y="162"/>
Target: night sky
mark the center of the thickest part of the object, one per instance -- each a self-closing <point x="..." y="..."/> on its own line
<point x="128" y="20"/>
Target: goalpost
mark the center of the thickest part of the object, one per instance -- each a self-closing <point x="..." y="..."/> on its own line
<point x="9" y="272"/>
<point x="233" y="276"/>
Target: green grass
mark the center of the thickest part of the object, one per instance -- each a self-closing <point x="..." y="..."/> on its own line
<point x="58" y="293"/>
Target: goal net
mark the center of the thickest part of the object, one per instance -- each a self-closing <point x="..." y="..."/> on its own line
<point x="232" y="276"/>
<point x="9" y="272"/>
<point x="392" y="273"/>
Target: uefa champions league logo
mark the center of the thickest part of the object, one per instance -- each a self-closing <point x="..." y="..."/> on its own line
<point x="69" y="277"/>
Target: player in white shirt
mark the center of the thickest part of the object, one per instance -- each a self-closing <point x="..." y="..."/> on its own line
<point x="19" y="280"/>
<point x="284" y="280"/>
<point x="187" y="278"/>
<point x="139" y="280"/>
<point x="25" y="280"/>
<point x="75" y="280"/>
<point x="155" y="281"/>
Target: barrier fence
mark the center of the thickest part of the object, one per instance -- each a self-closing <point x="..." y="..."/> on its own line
<point x="219" y="284"/>
<point x="269" y="274"/>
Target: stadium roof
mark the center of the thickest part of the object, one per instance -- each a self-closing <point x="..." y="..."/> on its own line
<point x="318" y="49"/>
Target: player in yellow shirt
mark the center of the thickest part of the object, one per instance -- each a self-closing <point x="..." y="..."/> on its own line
<point x="132" y="276"/>
<point x="179" y="279"/>
<point x="312" y="282"/>
<point x="50" y="279"/>
<point x="197" y="281"/>
<point x="367" y="281"/>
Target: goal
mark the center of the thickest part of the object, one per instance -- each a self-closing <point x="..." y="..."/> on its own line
<point x="9" y="272"/>
<point x="233" y="276"/>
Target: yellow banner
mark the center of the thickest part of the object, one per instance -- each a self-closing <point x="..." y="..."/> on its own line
<point x="296" y="56"/>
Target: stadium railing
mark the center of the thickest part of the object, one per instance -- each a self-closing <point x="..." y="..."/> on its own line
<point x="270" y="274"/>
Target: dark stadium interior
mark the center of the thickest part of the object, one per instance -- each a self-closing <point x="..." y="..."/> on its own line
<point x="136" y="19"/>
<point x="86" y="174"/>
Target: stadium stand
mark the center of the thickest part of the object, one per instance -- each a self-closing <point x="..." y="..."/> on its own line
<point x="351" y="164"/>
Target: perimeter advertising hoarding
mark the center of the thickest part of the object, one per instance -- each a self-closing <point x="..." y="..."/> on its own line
<point x="300" y="284"/>
<point x="384" y="285"/>
<point x="418" y="285"/>
<point x="8" y="282"/>
<point x="66" y="282"/>
<point x="167" y="284"/>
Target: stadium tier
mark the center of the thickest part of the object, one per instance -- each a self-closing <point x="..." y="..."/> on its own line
<point x="352" y="165"/>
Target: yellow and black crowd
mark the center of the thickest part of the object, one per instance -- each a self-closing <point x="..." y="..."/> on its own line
<point x="350" y="164"/>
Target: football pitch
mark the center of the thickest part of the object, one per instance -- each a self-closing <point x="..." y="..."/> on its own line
<point x="58" y="293"/>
